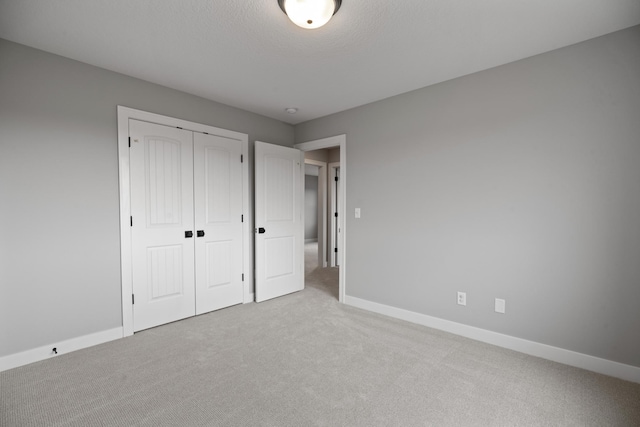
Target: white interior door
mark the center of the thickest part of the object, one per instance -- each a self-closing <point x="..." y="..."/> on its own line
<point x="278" y="219"/>
<point x="161" y="217"/>
<point x="218" y="222"/>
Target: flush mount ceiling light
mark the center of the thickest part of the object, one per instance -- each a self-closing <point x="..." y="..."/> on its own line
<point x="310" y="14"/>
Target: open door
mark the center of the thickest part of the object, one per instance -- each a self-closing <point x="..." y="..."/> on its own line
<point x="278" y="221"/>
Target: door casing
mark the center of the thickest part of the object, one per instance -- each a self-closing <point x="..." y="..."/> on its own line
<point x="322" y="210"/>
<point x="336" y="223"/>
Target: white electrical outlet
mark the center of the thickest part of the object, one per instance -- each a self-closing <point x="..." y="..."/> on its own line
<point x="462" y="298"/>
<point x="500" y="305"/>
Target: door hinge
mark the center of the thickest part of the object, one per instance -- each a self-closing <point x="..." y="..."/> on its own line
<point x="336" y="214"/>
<point x="241" y="158"/>
<point x="178" y="127"/>
<point x="131" y="220"/>
<point x="243" y="277"/>
<point x="241" y="218"/>
<point x="129" y="142"/>
<point x="336" y="179"/>
<point x="133" y="299"/>
<point x="335" y="250"/>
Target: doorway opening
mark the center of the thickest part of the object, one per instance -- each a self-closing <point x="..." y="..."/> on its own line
<point x="325" y="196"/>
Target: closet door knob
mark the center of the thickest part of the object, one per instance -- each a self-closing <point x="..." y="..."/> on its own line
<point x="188" y="234"/>
<point x="200" y="233"/>
<point x="261" y="230"/>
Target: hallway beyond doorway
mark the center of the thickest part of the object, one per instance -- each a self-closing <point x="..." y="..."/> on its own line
<point x="325" y="279"/>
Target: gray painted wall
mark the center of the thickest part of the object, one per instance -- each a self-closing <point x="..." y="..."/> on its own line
<point x="59" y="226"/>
<point x="319" y="155"/>
<point x="334" y="155"/>
<point x="521" y="182"/>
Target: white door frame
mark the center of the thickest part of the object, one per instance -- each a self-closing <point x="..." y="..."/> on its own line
<point x="124" y="114"/>
<point x="322" y="210"/>
<point x="335" y="223"/>
<point x="336" y="141"/>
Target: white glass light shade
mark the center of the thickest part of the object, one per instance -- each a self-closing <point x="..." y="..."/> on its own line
<point x="309" y="13"/>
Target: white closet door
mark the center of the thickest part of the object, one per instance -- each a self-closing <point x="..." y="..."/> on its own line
<point x="162" y="216"/>
<point x="278" y="217"/>
<point x="218" y="222"/>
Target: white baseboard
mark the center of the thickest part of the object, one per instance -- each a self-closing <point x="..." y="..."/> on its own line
<point x="45" y="352"/>
<point x="556" y="354"/>
<point x="315" y="240"/>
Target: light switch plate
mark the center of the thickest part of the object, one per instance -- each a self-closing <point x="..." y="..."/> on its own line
<point x="357" y="212"/>
<point x="500" y="305"/>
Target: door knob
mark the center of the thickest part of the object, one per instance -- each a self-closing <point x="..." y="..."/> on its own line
<point x="261" y="230"/>
<point x="188" y="234"/>
<point x="200" y="233"/>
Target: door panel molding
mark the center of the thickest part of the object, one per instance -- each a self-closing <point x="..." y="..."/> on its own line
<point x="126" y="113"/>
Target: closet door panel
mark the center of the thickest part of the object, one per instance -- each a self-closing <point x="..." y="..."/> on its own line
<point x="161" y="173"/>
<point x="218" y="220"/>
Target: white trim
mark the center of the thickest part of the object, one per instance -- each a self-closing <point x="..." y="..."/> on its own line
<point x="335" y="223"/>
<point x="247" y="229"/>
<point x="45" y="352"/>
<point x="126" y="267"/>
<point x="322" y="221"/>
<point x="124" y="114"/>
<point x="336" y="141"/>
<point x="556" y="354"/>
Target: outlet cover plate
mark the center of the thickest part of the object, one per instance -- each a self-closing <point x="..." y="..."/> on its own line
<point x="500" y="305"/>
<point x="462" y="298"/>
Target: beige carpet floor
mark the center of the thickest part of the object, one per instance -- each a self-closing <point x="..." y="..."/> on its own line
<point x="306" y="360"/>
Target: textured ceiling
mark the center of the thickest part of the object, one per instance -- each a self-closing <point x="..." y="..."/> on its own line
<point x="247" y="54"/>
